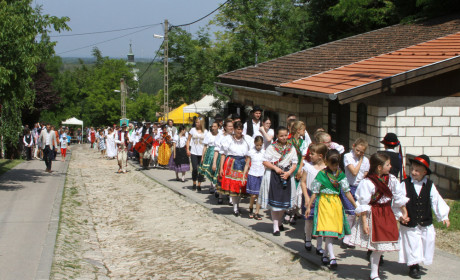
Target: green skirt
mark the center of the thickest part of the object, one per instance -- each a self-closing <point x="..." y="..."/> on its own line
<point x="205" y="167"/>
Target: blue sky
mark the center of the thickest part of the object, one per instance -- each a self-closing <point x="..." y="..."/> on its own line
<point x="100" y="15"/>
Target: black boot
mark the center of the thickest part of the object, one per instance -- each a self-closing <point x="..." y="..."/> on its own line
<point x="414" y="271"/>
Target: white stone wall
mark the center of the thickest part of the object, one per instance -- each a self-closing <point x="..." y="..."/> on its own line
<point x="433" y="131"/>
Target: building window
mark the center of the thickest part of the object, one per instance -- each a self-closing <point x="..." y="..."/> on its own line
<point x="361" y="118"/>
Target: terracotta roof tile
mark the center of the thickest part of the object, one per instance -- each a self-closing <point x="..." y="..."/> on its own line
<point x="273" y="73"/>
<point x="386" y="65"/>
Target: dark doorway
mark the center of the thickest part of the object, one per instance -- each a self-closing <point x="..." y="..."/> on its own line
<point x="339" y="123"/>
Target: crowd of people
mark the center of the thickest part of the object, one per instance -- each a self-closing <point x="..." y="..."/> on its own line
<point x="339" y="195"/>
<point x="43" y="141"/>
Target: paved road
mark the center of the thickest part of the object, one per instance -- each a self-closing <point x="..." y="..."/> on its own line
<point x="352" y="263"/>
<point x="29" y="215"/>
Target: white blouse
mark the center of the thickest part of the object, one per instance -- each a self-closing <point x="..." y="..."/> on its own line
<point x="196" y="142"/>
<point x="180" y="143"/>
<point x="257" y="162"/>
<point x="366" y="189"/>
<point x="209" y="139"/>
<point x="267" y="143"/>
<point x="233" y="147"/>
<point x="350" y="158"/>
<point x="271" y="155"/>
<point x="439" y="206"/>
<point x="311" y="173"/>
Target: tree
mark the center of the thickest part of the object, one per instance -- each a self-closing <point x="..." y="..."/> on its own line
<point x="20" y="26"/>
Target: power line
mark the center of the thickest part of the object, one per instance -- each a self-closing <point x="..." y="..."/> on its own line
<point x="95" y="44"/>
<point x="106" y="31"/>
<point x="153" y="60"/>
<point x="202" y="17"/>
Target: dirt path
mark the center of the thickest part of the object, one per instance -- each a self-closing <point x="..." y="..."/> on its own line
<point x="129" y="227"/>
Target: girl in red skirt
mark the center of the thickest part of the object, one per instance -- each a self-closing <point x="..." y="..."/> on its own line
<point x="235" y="150"/>
<point x="376" y="195"/>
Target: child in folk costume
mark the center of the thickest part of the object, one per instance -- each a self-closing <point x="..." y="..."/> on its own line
<point x="378" y="195"/>
<point x="417" y="237"/>
<point x="179" y="161"/>
<point x="122" y="141"/>
<point x="101" y="142"/>
<point x="277" y="190"/>
<point x="92" y="136"/>
<point x="155" y="146"/>
<point x="255" y="175"/>
<point x="301" y="147"/>
<point x="195" y="151"/>
<point x="218" y="151"/>
<point x="205" y="167"/>
<point x="164" y="151"/>
<point x="235" y="150"/>
<point x="329" y="219"/>
<point x="311" y="169"/>
<point x="356" y="169"/>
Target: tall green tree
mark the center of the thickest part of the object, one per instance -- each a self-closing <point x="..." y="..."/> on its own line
<point x="24" y="43"/>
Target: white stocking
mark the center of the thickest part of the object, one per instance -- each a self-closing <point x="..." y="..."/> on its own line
<point x="308" y="229"/>
<point x="275" y="218"/>
<point x="319" y="242"/>
<point x="329" y="247"/>
<point x="236" y="202"/>
<point x="375" y="259"/>
<point x="351" y="221"/>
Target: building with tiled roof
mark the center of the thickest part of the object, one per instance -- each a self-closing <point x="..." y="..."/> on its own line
<point x="403" y="78"/>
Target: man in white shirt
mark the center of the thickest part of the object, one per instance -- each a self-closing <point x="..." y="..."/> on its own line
<point x="251" y="127"/>
<point x="49" y="144"/>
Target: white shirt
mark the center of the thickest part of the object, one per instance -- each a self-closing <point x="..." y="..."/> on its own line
<point x="209" y="139"/>
<point x="271" y="155"/>
<point x="307" y="138"/>
<point x="267" y="143"/>
<point x="196" y="142"/>
<point x="218" y="143"/>
<point x="63" y="141"/>
<point x="180" y="142"/>
<point x="257" y="159"/>
<point x="122" y="140"/>
<point x="311" y="173"/>
<point x="48" y="137"/>
<point x="255" y="126"/>
<point x="350" y="158"/>
<point x="233" y="147"/>
<point x="439" y="206"/>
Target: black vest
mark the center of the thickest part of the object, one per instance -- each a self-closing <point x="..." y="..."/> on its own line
<point x="395" y="163"/>
<point x="28" y="138"/>
<point x="419" y="207"/>
<point x="249" y="128"/>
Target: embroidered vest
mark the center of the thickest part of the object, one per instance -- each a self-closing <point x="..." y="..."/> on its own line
<point x="419" y="207"/>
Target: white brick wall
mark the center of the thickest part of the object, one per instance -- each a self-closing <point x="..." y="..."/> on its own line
<point x="441" y="121"/>
<point x="451" y="111"/>
<point x="415" y="112"/>
<point x="405" y="121"/>
<point x="423" y="121"/>
<point x="433" y="111"/>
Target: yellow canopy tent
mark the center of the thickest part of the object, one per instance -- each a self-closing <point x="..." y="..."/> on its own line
<point x="179" y="117"/>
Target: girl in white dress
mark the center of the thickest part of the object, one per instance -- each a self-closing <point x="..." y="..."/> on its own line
<point x="195" y="151"/>
<point x="111" y="146"/>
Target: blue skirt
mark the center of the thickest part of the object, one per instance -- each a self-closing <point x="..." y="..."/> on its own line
<point x="312" y="212"/>
<point x="347" y="206"/>
<point x="253" y="186"/>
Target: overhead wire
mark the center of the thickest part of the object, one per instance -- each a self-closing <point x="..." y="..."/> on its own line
<point x="105" y="41"/>
<point x="201" y="18"/>
<point x="153" y="60"/>
<point x="106" y="31"/>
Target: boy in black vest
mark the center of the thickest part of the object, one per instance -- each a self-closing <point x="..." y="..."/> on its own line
<point x="390" y="141"/>
<point x="417" y="236"/>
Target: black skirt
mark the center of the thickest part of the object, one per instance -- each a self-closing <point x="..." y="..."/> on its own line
<point x="181" y="157"/>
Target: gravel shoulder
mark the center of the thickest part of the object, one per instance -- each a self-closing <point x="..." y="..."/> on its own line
<point x="129" y="227"/>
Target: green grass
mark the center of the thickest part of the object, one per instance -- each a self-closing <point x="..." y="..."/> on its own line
<point x="454" y="217"/>
<point x="7" y="164"/>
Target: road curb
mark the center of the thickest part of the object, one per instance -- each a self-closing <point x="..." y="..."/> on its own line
<point x="46" y="258"/>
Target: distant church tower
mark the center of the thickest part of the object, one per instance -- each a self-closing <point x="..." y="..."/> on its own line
<point x="132" y="64"/>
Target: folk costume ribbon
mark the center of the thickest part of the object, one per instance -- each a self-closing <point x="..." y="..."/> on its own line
<point x="381" y="187"/>
<point x="281" y="149"/>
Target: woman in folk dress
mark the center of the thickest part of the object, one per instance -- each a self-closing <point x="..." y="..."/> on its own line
<point x="216" y="178"/>
<point x="205" y="167"/>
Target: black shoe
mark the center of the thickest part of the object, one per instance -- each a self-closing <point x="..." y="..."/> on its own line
<point x="414" y="272"/>
<point x="319" y="252"/>
<point x="346" y="246"/>
<point x="194" y="187"/>
<point x="236" y="213"/>
<point x="220" y="201"/>
<point x="325" y="260"/>
<point x="212" y="190"/>
<point x="333" y="264"/>
<point x="276" y="233"/>
<point x="381" y="260"/>
<point x="198" y="189"/>
<point x="216" y="194"/>
<point x="308" y="246"/>
<point x="281" y="227"/>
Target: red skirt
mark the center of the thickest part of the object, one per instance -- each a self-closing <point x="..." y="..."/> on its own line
<point x="232" y="181"/>
<point x="384" y="226"/>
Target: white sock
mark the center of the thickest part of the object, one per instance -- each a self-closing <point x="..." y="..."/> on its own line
<point x="308" y="229"/>
<point x="236" y="202"/>
<point x="275" y="219"/>
<point x="351" y="221"/>
<point x="375" y="259"/>
<point x="319" y="242"/>
<point x="330" y="248"/>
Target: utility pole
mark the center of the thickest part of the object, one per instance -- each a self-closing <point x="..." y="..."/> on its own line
<point x="123" y="95"/>
<point x="166" y="86"/>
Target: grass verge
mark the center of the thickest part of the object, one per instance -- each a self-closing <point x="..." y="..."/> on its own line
<point x="454" y="217"/>
<point x="7" y="164"/>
